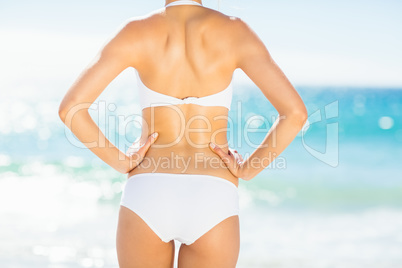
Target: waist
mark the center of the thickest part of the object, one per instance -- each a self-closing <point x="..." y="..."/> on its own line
<point x="184" y="160"/>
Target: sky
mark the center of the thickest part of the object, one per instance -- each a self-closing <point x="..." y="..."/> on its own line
<point x="46" y="44"/>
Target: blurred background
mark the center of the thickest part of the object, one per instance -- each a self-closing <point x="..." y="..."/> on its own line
<point x="333" y="198"/>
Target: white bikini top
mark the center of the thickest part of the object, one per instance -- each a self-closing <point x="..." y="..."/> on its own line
<point x="151" y="98"/>
<point x="183" y="2"/>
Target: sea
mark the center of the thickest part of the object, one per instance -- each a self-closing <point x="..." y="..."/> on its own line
<point x="332" y="199"/>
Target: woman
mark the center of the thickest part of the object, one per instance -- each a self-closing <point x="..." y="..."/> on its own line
<point x="182" y="183"/>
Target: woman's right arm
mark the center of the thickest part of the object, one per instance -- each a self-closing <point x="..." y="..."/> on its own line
<point x="255" y="60"/>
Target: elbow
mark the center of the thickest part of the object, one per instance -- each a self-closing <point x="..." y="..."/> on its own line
<point x="68" y="109"/>
<point x="62" y="113"/>
<point x="298" y="115"/>
<point x="66" y="105"/>
<point x="302" y="115"/>
<point x="63" y="109"/>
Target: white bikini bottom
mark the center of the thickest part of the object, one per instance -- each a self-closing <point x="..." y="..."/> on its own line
<point x="180" y="206"/>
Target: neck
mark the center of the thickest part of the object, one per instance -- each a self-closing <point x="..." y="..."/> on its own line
<point x="167" y="2"/>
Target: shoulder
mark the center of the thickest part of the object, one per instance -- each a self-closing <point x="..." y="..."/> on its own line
<point x="233" y="24"/>
<point x="220" y="29"/>
<point x="237" y="38"/>
<point x="222" y="22"/>
<point x="141" y="24"/>
<point x="246" y="42"/>
<point x="234" y="29"/>
<point x="243" y="33"/>
<point x="133" y="36"/>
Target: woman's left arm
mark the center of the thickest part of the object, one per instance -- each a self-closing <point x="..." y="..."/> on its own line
<point x="119" y="53"/>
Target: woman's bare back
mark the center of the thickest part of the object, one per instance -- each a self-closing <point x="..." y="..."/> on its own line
<point x="186" y="51"/>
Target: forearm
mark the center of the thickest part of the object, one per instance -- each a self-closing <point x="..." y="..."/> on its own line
<point x="87" y="131"/>
<point x="280" y="135"/>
